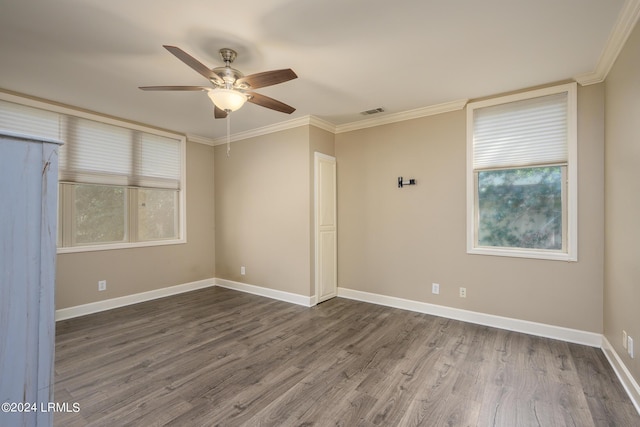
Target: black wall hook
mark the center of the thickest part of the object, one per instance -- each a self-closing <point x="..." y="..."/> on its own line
<point x="402" y="183"/>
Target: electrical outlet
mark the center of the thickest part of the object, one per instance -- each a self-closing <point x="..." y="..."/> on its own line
<point x="624" y="339"/>
<point x="242" y="270"/>
<point x="102" y="285"/>
<point x="630" y="346"/>
<point x="463" y="292"/>
<point x="435" y="288"/>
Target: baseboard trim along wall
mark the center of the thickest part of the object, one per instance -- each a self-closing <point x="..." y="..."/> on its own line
<point x="539" y="329"/>
<point x="95" y="307"/>
<point x="516" y="325"/>
<point x="628" y="382"/>
<point x="267" y="292"/>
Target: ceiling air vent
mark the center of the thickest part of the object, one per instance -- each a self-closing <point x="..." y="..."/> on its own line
<point x="373" y="111"/>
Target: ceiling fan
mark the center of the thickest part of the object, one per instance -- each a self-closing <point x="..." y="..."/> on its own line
<point x="231" y="89"/>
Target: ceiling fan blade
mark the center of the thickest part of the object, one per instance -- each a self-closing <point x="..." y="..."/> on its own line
<point x="265" y="101"/>
<point x="219" y="113"/>
<point x="173" y="88"/>
<point x="267" y="78"/>
<point x="194" y="63"/>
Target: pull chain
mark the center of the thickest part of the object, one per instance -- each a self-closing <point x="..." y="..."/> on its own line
<point x="228" y="135"/>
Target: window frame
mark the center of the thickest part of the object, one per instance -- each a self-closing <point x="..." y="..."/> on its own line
<point x="64" y="201"/>
<point x="570" y="187"/>
<point x="67" y="224"/>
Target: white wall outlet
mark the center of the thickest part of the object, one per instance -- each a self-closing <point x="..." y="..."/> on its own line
<point x="624" y="339"/>
<point x="630" y="346"/>
<point x="463" y="292"/>
<point x="102" y="285"/>
<point x="435" y="288"/>
<point x="242" y="270"/>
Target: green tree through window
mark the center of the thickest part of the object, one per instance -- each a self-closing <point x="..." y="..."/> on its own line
<point x="100" y="214"/>
<point x="521" y="208"/>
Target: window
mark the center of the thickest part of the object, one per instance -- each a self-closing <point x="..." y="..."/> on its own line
<point x="521" y="176"/>
<point x="121" y="185"/>
<point x="99" y="214"/>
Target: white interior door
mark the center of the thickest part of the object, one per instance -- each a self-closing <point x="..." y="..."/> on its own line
<point x="326" y="242"/>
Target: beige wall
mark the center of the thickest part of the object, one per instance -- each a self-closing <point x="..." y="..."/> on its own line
<point x="622" y="203"/>
<point x="262" y="219"/>
<point x="264" y="209"/>
<point x="396" y="242"/>
<point x="131" y="271"/>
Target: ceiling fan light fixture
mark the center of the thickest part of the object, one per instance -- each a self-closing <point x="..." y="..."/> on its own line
<point x="227" y="99"/>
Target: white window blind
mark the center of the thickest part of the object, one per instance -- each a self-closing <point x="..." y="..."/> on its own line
<point x="100" y="153"/>
<point x="157" y="163"/>
<point x="521" y="133"/>
<point x="21" y="119"/>
<point x="96" y="153"/>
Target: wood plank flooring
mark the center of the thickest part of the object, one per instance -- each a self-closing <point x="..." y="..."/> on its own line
<point x="217" y="357"/>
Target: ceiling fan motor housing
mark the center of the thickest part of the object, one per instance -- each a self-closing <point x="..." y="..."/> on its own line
<point x="230" y="76"/>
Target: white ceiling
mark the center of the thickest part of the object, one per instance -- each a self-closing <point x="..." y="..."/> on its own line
<point x="350" y="55"/>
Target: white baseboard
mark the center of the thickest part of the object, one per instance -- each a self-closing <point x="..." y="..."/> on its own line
<point x="517" y="325"/>
<point x="267" y="292"/>
<point x="94" y="307"/>
<point x="625" y="377"/>
<point x="539" y="329"/>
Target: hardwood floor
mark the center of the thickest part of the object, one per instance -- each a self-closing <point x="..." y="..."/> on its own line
<point x="220" y="357"/>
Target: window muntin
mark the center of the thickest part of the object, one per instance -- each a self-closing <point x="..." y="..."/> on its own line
<point x="521" y="177"/>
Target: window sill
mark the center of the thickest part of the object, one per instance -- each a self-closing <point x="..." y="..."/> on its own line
<point x="523" y="253"/>
<point x="112" y="246"/>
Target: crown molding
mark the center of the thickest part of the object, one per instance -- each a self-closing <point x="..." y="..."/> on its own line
<point x="200" y="139"/>
<point x="322" y="124"/>
<point x="330" y="127"/>
<point x="402" y="116"/>
<point x="626" y="22"/>
<point x="277" y="127"/>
